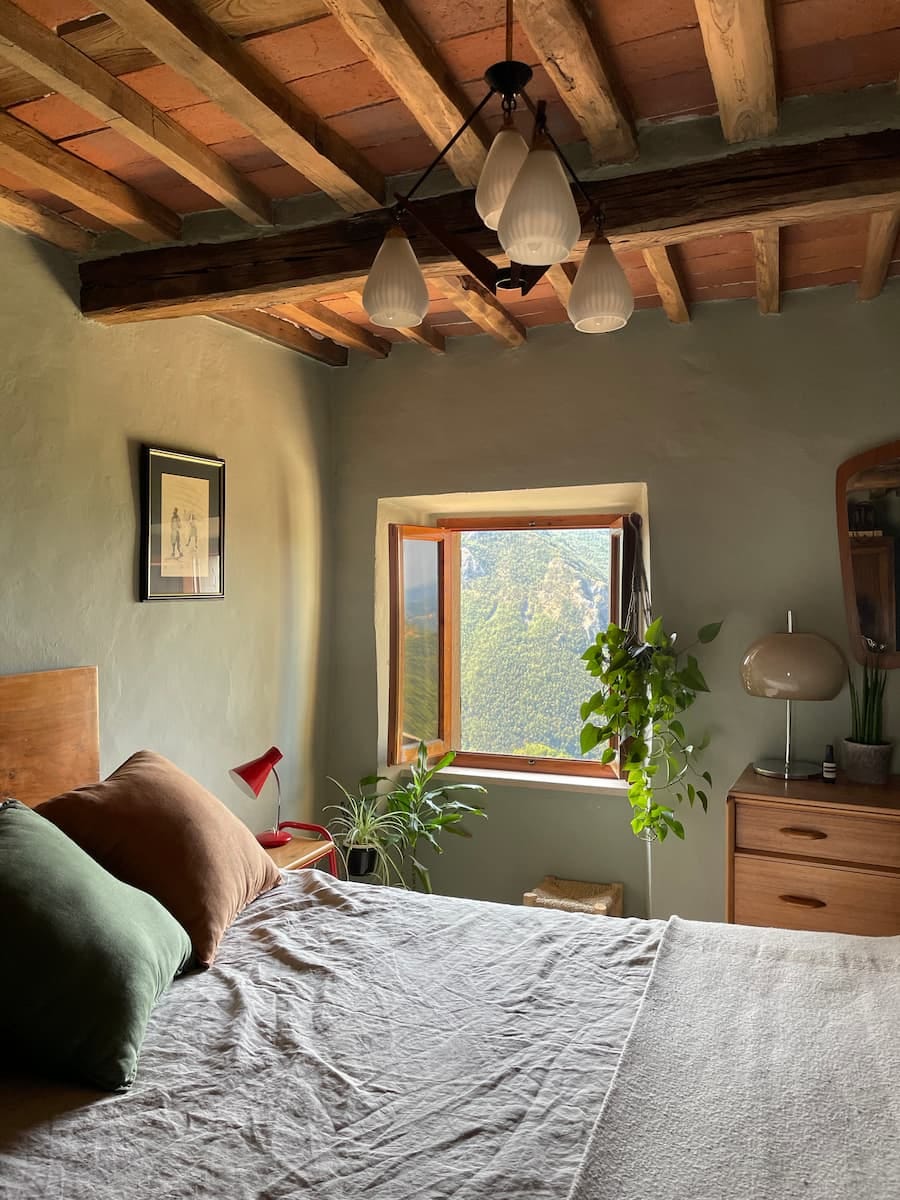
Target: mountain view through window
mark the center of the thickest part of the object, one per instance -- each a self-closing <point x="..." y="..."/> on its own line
<point x="530" y="601"/>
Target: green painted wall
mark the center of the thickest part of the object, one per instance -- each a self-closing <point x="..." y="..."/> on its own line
<point x="737" y="423"/>
<point x="208" y="684"/>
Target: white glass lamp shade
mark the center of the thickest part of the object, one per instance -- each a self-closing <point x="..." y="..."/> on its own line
<point x="601" y="299"/>
<point x="793" y="666"/>
<point x="504" y="161"/>
<point x="539" y="224"/>
<point x="395" y="294"/>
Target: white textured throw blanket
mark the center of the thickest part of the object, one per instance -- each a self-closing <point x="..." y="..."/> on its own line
<point x="763" y="1065"/>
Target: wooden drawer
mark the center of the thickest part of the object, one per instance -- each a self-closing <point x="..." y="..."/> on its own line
<point x="801" y="895"/>
<point x="846" y="836"/>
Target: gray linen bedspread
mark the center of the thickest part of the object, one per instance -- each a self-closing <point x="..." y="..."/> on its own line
<point x="353" y="1041"/>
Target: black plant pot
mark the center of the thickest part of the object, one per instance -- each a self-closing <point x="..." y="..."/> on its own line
<point x="361" y="860"/>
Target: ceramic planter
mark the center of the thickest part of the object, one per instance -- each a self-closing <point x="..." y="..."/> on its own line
<point x="361" y="860"/>
<point x="867" y="764"/>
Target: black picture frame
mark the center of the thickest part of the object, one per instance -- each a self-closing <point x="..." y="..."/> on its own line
<point x="182" y="526"/>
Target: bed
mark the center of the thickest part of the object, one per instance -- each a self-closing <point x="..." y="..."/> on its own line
<point x="352" y="1041"/>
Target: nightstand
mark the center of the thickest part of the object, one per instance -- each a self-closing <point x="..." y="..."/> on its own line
<point x="302" y="851"/>
<point x="805" y="854"/>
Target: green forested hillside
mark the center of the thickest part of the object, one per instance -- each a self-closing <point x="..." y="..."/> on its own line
<point x="530" y="603"/>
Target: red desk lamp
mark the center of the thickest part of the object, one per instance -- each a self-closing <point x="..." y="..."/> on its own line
<point x="250" y="778"/>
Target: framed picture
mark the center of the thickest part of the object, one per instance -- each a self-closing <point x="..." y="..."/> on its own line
<point x="182" y="526"/>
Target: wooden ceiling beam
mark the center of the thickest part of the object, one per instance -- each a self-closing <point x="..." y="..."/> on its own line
<point x="738" y="193"/>
<point x="483" y="308"/>
<point x="665" y="275"/>
<point x="561" y="276"/>
<point x="286" y="333"/>
<point x="313" y="315"/>
<point x="422" y="334"/>
<point x="190" y="42"/>
<point x="572" y="55"/>
<point x="32" y="47"/>
<point x="20" y="213"/>
<point x="389" y="37"/>
<point x="884" y="228"/>
<point x="767" y="257"/>
<point x="737" y="38"/>
<point x="41" y="162"/>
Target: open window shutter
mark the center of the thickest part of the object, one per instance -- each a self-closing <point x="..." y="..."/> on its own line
<point x="421" y="641"/>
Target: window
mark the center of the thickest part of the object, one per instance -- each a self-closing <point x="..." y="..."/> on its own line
<point x="489" y="618"/>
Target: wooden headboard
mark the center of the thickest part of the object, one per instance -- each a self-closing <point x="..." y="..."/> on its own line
<point x="49" y="733"/>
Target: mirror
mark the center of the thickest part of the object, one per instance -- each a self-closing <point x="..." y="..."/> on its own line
<point x="868" y="517"/>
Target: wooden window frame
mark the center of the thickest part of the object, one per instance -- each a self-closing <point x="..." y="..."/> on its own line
<point x="397" y="753"/>
<point x="446" y="533"/>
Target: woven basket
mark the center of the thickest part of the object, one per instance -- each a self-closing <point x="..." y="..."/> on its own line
<point x="574" y="895"/>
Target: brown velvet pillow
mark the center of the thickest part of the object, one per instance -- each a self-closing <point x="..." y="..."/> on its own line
<point x="156" y="828"/>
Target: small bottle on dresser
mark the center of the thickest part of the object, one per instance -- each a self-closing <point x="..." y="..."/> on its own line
<point x="829" y="766"/>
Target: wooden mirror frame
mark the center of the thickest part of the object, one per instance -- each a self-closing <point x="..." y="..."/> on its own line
<point x="869" y="458"/>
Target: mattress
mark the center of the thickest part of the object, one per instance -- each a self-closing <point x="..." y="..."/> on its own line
<point x="354" y="1041"/>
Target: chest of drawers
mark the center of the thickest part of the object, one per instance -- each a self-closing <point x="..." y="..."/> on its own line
<point x="805" y="854"/>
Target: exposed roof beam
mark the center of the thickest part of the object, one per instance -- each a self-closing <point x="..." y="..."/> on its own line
<point x="662" y="268"/>
<point x="754" y="189"/>
<point x="389" y="37"/>
<point x="737" y="37"/>
<point x="196" y="47"/>
<point x="286" y="333"/>
<point x="36" y="159"/>
<point x="31" y="46"/>
<point x="422" y="334"/>
<point x="339" y="328"/>
<point x="766" y="255"/>
<point x="561" y="276"/>
<point x="884" y="228"/>
<point x="28" y="217"/>
<point x="482" y="307"/>
<point x="570" y="51"/>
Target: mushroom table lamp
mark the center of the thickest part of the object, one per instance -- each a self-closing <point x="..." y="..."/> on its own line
<point x="792" y="666"/>
<point x="250" y="777"/>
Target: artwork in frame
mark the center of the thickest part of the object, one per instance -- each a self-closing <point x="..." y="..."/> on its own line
<point x="182" y="526"/>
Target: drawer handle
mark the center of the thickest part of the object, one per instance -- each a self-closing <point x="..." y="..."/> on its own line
<point x="803" y="901"/>
<point x="811" y="835"/>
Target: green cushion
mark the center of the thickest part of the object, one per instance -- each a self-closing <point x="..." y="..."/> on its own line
<point x="85" y="957"/>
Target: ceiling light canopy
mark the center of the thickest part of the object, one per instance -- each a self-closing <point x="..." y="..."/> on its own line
<point x="526" y="196"/>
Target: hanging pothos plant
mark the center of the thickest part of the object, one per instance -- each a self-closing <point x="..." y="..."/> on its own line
<point x="645" y="686"/>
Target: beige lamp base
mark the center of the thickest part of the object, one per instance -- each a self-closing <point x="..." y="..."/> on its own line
<point x="777" y="768"/>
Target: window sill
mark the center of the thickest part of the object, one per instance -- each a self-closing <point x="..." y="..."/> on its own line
<point x="568" y="783"/>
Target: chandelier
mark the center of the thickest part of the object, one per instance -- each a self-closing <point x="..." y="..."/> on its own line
<point x="524" y="194"/>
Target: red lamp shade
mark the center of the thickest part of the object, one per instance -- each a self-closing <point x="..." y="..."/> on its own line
<point x="250" y="777"/>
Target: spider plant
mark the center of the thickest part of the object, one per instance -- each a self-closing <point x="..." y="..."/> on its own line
<point x="362" y="823"/>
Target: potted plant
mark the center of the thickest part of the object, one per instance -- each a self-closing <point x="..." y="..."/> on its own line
<point x="867" y="756"/>
<point x="364" y="832"/>
<point x="426" y="810"/>
<point x="645" y="686"/>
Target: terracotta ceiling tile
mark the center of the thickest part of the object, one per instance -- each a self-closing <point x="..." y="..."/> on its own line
<point x="377" y="126"/>
<point x="397" y="158"/>
<point x="811" y="22"/>
<point x="470" y="55"/>
<point x="639" y="19"/>
<point x="305" y="49"/>
<point x="443" y="19"/>
<point x="209" y="123"/>
<point x="105" y="149"/>
<point x="840" y="66"/>
<point x="111" y="152"/>
<point x="54" y="12"/>
<point x="164" y="87"/>
<point x="357" y="86"/>
<point x="85" y="219"/>
<point x="247" y="154"/>
<point x="56" y="117"/>
<point x="828" y="277"/>
<point x="281" y="182"/>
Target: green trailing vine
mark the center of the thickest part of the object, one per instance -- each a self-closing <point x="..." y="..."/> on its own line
<point x="644" y="687"/>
